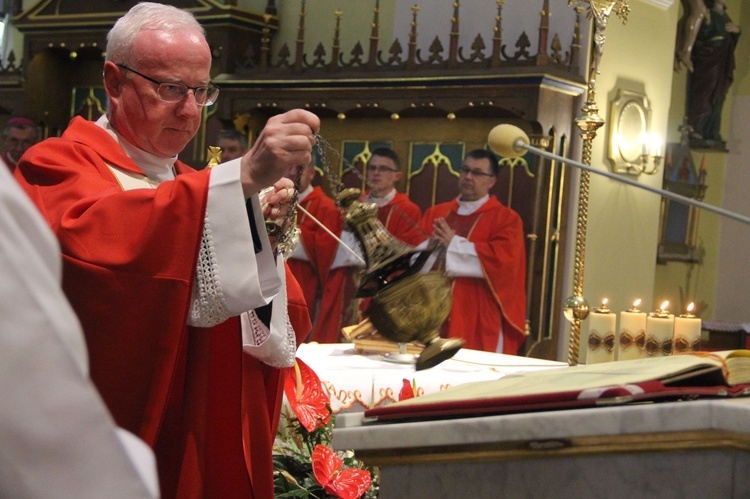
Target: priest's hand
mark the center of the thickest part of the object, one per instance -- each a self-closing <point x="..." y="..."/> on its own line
<point x="286" y="140"/>
<point x="442" y="232"/>
<point x="277" y="209"/>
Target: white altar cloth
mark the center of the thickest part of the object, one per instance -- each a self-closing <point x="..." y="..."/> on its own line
<point x="356" y="382"/>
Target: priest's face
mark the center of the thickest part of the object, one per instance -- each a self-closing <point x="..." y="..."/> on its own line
<point x="475" y="179"/>
<point x="137" y="112"/>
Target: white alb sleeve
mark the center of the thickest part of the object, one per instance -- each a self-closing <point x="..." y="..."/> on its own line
<point x="230" y="277"/>
<point x="344" y="257"/>
<point x="276" y="346"/>
<point x="461" y="259"/>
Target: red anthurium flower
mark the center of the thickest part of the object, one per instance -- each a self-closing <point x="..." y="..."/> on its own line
<point x="306" y="396"/>
<point x="407" y="391"/>
<point x="350" y="483"/>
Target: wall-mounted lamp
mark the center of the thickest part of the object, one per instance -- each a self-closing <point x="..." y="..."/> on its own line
<point x="651" y="154"/>
<point x="632" y="148"/>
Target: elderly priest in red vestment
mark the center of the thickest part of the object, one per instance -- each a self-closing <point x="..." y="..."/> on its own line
<point x="181" y="296"/>
<point x="482" y="248"/>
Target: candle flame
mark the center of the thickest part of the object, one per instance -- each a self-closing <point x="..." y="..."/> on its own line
<point x="636" y="303"/>
<point x="690" y="307"/>
<point x="604" y="301"/>
<point x="664" y="305"/>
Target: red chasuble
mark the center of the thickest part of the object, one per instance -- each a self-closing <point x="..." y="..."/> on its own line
<point x="129" y="257"/>
<point x="319" y="246"/>
<point x="335" y="285"/>
<point x="480" y="306"/>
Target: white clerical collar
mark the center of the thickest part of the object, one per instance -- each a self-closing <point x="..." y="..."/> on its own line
<point x="382" y="200"/>
<point x="155" y="168"/>
<point x="302" y="195"/>
<point x="469" y="207"/>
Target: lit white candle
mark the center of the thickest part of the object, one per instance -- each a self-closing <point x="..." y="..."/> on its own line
<point x="659" y="332"/>
<point x="657" y="146"/>
<point x="687" y="332"/>
<point x="632" y="333"/>
<point x="601" y="338"/>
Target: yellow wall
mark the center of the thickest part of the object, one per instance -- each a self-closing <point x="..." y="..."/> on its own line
<point x="699" y="281"/>
<point x="623" y="221"/>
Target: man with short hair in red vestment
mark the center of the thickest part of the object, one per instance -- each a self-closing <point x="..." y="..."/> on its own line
<point x="180" y="294"/>
<point x="484" y="251"/>
<point x="398" y="214"/>
<point x="312" y="258"/>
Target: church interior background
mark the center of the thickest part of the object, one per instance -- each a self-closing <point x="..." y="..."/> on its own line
<point x="430" y="79"/>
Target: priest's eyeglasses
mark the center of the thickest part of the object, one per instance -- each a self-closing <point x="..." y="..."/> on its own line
<point x="466" y="171"/>
<point x="175" y="92"/>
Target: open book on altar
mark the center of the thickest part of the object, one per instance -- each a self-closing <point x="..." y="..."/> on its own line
<point x="684" y="376"/>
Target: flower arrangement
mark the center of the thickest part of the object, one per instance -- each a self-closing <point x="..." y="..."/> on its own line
<point x="305" y="465"/>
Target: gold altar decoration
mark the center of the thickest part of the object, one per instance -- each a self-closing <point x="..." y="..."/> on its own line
<point x="576" y="308"/>
<point x="407" y="305"/>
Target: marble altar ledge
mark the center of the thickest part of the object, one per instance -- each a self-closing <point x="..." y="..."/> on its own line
<point x="686" y="449"/>
<point x="716" y="416"/>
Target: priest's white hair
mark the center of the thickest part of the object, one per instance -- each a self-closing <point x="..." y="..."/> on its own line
<point x="146" y="16"/>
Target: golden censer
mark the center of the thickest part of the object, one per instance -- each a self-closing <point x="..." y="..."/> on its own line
<point x="407" y="304"/>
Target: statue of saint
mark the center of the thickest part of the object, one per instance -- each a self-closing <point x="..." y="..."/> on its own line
<point x="712" y="73"/>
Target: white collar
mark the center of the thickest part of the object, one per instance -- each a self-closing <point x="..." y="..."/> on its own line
<point x="302" y="195"/>
<point x="155" y="168"/>
<point x="469" y="207"/>
<point x="382" y="200"/>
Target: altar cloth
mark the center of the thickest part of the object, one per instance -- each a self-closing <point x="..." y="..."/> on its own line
<point x="359" y="381"/>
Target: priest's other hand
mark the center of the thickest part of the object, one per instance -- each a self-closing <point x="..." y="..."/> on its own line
<point x="276" y="201"/>
<point x="286" y="140"/>
<point x="442" y="232"/>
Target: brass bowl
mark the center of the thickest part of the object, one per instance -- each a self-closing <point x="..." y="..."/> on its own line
<point x="413" y="309"/>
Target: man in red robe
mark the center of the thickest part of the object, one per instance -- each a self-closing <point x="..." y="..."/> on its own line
<point x="398" y="214"/>
<point x="483" y="247"/>
<point x="180" y="295"/>
<point x="18" y="135"/>
<point x="312" y="258"/>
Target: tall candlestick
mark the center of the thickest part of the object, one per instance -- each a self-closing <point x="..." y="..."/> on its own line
<point x="659" y="332"/>
<point x="601" y="339"/>
<point x="631" y="339"/>
<point x="687" y="332"/>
